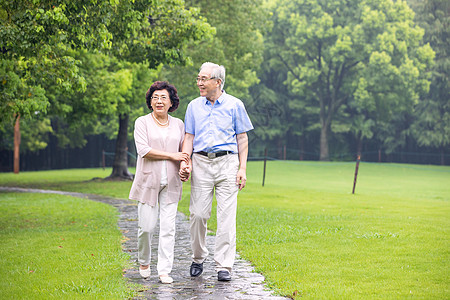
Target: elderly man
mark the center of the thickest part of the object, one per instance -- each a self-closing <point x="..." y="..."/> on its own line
<point x="216" y="133"/>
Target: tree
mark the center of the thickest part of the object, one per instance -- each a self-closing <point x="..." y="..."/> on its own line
<point x="148" y="32"/>
<point x="152" y="33"/>
<point x="279" y="115"/>
<point x="432" y="114"/>
<point x="237" y="44"/>
<point x="368" y="53"/>
<point x="35" y="37"/>
<point x="132" y="104"/>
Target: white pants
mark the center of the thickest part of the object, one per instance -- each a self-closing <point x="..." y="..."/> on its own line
<point x="148" y="217"/>
<point x="217" y="174"/>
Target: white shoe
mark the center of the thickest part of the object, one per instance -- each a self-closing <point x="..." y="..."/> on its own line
<point x="166" y="279"/>
<point x="145" y="273"/>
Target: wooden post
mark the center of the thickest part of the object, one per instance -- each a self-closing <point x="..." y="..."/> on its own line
<point x="356" y="173"/>
<point x="265" y="161"/>
<point x="17" y="145"/>
<point x="284" y="152"/>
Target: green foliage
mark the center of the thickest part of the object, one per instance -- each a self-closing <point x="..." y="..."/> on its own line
<point x="35" y="40"/>
<point x="134" y="102"/>
<point x="33" y="27"/>
<point x="432" y="127"/>
<point x="352" y="71"/>
<point x="145" y="36"/>
<point x="432" y="114"/>
<point x="35" y="37"/>
<point x="80" y="113"/>
<point x="367" y="56"/>
<point x="156" y="32"/>
<point x="17" y="95"/>
<point x="237" y="45"/>
<point x="266" y="113"/>
<point x="40" y="71"/>
<point x="34" y="134"/>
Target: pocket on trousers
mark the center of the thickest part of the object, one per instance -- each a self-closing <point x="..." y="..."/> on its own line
<point x="232" y="169"/>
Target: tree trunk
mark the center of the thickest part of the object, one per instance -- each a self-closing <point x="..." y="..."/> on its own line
<point x="324" y="155"/>
<point x="17" y="145"/>
<point x="120" y="164"/>
<point x="442" y="156"/>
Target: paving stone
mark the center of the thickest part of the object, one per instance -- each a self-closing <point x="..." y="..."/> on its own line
<point x="245" y="283"/>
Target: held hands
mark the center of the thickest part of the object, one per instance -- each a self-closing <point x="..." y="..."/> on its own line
<point x="184" y="165"/>
<point x="241" y="179"/>
<point x="185" y="170"/>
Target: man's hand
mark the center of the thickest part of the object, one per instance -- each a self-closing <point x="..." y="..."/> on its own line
<point x="241" y="179"/>
<point x="185" y="171"/>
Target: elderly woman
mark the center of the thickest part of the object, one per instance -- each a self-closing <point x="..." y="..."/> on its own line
<point x="157" y="186"/>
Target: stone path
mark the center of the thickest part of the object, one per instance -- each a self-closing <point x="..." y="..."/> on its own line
<point x="246" y="284"/>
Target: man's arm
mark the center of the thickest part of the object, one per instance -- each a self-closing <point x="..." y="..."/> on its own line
<point x="188" y="145"/>
<point x="242" y="144"/>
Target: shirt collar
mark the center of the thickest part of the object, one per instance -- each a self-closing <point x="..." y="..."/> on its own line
<point x="219" y="100"/>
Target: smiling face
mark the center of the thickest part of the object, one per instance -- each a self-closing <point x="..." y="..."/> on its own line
<point x="209" y="88"/>
<point x="161" y="102"/>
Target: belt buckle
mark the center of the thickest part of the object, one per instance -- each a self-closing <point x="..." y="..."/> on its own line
<point x="211" y="155"/>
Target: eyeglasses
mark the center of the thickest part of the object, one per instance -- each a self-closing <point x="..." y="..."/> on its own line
<point x="156" y="98"/>
<point x="204" y="79"/>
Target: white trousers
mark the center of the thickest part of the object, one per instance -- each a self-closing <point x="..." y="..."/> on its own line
<point x="209" y="175"/>
<point x="148" y="217"/>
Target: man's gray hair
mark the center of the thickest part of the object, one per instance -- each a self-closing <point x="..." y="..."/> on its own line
<point x="217" y="72"/>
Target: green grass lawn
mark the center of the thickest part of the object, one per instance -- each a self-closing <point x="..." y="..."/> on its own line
<point x="74" y="180"/>
<point x="311" y="237"/>
<point x="60" y="247"/>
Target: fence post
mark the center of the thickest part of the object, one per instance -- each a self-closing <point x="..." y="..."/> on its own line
<point x="264" y="172"/>
<point x="356" y="172"/>
<point x="17" y="145"/>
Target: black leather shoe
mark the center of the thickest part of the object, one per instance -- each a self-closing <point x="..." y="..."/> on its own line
<point x="223" y="276"/>
<point x="196" y="269"/>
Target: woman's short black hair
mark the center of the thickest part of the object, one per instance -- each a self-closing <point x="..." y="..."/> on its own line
<point x="163" y="85"/>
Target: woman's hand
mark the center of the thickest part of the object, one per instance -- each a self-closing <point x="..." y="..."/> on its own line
<point x="180" y="156"/>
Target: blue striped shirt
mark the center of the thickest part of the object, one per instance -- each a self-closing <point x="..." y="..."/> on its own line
<point x="215" y="126"/>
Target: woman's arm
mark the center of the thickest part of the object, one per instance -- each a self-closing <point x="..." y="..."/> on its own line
<point x="154" y="154"/>
<point x="185" y="166"/>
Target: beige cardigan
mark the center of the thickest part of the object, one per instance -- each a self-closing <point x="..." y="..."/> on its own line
<point x="146" y="184"/>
